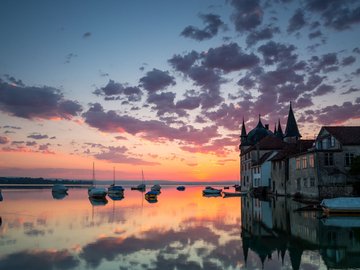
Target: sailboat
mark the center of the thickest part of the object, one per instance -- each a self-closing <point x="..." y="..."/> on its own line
<point x="113" y="189"/>
<point x="142" y="186"/>
<point x="96" y="192"/>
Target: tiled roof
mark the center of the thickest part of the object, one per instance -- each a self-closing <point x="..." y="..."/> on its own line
<point x="267" y="143"/>
<point x="292" y="149"/>
<point x="348" y="135"/>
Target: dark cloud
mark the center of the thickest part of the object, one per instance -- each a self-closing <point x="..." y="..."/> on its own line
<point x="184" y="63"/>
<point x="356" y="50"/>
<point x="4" y="140"/>
<point x="212" y="24"/>
<point x="335" y="114"/>
<point x="348" y="60"/>
<point x="119" y="154"/>
<point x="276" y="52"/>
<point x="326" y="63"/>
<point x="157" y="80"/>
<point x="86" y="35"/>
<point x="351" y="90"/>
<point x="11" y="127"/>
<point x="31" y="143"/>
<point x="357" y="72"/>
<point x="150" y="129"/>
<point x="36" y="102"/>
<point x="33" y="260"/>
<point x="209" y="80"/>
<point x="118" y="91"/>
<point x="14" y="81"/>
<point x="315" y="34"/>
<point x="190" y="102"/>
<point x="229" y="57"/>
<point x="297" y="21"/>
<point x="164" y="103"/>
<point x="227" y="116"/>
<point x="339" y="15"/>
<point x="69" y="57"/>
<point x="247" y="15"/>
<point x="323" y="90"/>
<point x="304" y="102"/>
<point x="257" y="35"/>
<point x="38" y="136"/>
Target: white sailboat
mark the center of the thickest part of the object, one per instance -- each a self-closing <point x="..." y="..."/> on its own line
<point x="96" y="192"/>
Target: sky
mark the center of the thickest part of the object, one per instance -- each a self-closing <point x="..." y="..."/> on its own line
<point x="163" y="86"/>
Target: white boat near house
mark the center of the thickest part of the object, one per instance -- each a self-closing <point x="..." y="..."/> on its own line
<point x="341" y="205"/>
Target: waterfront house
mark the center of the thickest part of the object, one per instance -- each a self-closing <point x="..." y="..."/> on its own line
<point x="323" y="170"/>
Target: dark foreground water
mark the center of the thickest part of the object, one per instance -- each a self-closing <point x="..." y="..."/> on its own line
<point x="183" y="230"/>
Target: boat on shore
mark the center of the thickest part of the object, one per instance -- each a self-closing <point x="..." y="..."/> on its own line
<point x="341" y="206"/>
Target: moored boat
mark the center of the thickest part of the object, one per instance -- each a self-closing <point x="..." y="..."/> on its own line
<point x="181" y="188"/>
<point x="211" y="190"/>
<point x="96" y="192"/>
<point x="341" y="206"/>
<point x="59" y="188"/>
<point x="1" y="196"/>
<point x="141" y="187"/>
<point x="114" y="189"/>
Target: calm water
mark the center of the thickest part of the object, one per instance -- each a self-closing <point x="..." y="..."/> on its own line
<point x="183" y="230"/>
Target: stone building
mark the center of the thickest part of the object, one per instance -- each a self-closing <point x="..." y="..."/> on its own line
<point x="323" y="170"/>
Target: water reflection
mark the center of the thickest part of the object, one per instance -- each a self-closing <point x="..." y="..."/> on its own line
<point x="180" y="231"/>
<point x="58" y="195"/>
<point x="272" y="230"/>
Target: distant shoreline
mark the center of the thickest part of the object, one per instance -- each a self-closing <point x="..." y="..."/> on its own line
<point x="28" y="182"/>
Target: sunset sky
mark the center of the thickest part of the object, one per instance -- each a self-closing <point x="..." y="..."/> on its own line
<point x="163" y="85"/>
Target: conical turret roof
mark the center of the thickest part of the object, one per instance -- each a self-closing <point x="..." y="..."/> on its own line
<point x="292" y="129"/>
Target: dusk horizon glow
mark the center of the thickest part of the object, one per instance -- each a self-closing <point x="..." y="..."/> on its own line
<point x="164" y="86"/>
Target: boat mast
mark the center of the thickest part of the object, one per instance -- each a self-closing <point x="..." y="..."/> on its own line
<point x="114" y="175"/>
<point x="143" y="179"/>
<point x="93" y="173"/>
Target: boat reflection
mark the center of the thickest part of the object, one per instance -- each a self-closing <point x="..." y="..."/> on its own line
<point x="98" y="201"/>
<point x="116" y="196"/>
<point x="59" y="195"/>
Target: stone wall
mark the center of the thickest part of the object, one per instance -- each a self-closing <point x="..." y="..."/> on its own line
<point x="331" y="191"/>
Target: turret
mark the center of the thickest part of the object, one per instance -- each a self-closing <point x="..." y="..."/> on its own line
<point x="243" y="136"/>
<point x="292" y="133"/>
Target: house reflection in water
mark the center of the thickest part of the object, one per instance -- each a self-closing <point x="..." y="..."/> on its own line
<point x="273" y="227"/>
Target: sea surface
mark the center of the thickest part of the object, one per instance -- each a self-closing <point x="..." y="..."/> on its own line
<point x="182" y="230"/>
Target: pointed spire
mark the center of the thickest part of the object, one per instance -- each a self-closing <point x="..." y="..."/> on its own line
<point x="275" y="131"/>
<point x="279" y="132"/>
<point x="291" y="126"/>
<point x="243" y="129"/>
<point x="260" y="125"/>
<point x="243" y="135"/>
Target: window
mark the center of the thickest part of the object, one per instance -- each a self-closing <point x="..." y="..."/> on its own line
<point x="311" y="161"/>
<point x="280" y="165"/>
<point x="298" y="167"/>
<point x="305" y="182"/>
<point x="298" y="184"/>
<point x="319" y="145"/>
<point x="348" y="159"/>
<point x="332" y="141"/>
<point x="312" y="182"/>
<point x="328" y="159"/>
<point x="274" y="165"/>
<point x="304" y="162"/>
